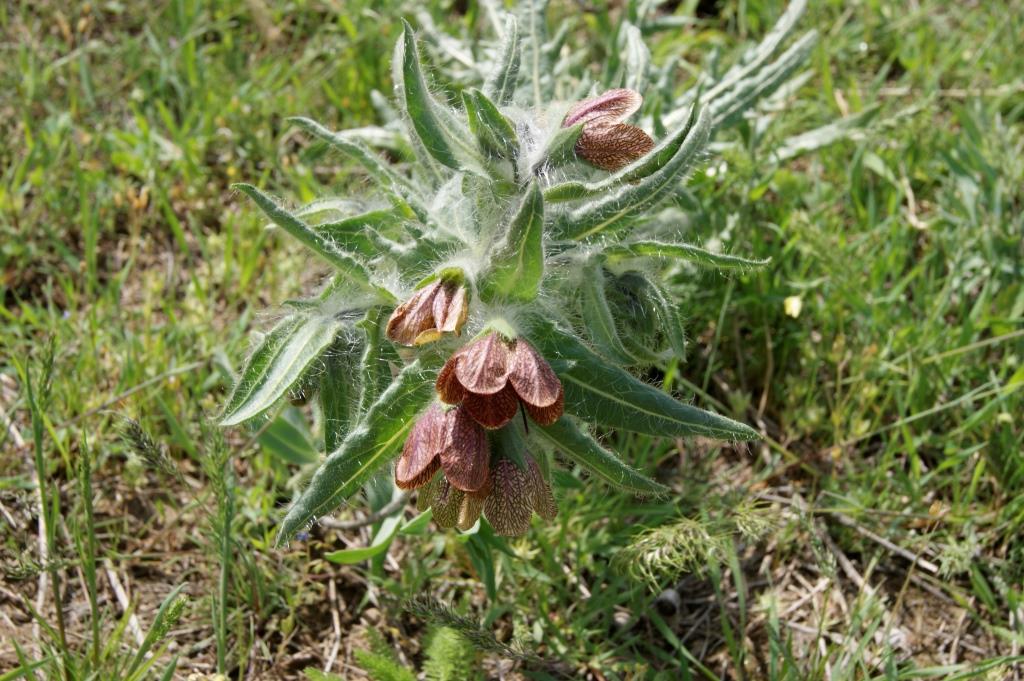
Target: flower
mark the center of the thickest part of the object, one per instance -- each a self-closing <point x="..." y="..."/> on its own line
<point x="490" y="376"/>
<point x="451" y="506"/>
<point x="512" y="494"/>
<point x="607" y="142"/>
<point x="449" y="440"/>
<point x="440" y="307"/>
<point x="792" y="306"/>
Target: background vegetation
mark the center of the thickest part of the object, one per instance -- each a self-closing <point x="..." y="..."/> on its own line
<point x="875" y="533"/>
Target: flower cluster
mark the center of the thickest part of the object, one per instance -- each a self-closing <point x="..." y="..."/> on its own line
<point x="494" y="197"/>
<point x="481" y="388"/>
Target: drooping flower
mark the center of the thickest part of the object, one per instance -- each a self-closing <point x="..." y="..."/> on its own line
<point x="509" y="499"/>
<point x="451" y="506"/>
<point x="448" y="440"/>
<point x="490" y="376"/>
<point x="607" y="142"/>
<point x="437" y="308"/>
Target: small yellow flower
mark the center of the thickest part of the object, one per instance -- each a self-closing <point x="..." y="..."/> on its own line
<point x="792" y="306"/>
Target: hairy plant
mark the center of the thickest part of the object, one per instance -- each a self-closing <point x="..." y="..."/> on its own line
<point x="489" y="301"/>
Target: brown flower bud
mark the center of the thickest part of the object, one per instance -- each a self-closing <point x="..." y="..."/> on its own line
<point x="491" y="376"/>
<point x="607" y="142"/>
<point x="439" y="307"/>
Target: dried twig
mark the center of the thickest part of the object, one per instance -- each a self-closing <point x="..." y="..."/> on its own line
<point x="392" y="506"/>
<point x="332" y="597"/>
<point x="123" y="600"/>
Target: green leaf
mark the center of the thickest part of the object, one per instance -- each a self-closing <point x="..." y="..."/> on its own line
<point x="381" y="542"/>
<point x="680" y="251"/>
<point x="287" y="438"/>
<point x="583" y="449"/>
<point x="374" y="366"/>
<point x="617" y="209"/>
<point x="417" y="525"/>
<point x="440" y="133"/>
<point x="532" y="13"/>
<point x="753" y="60"/>
<point x="649" y="163"/>
<point x="338" y="385"/>
<point x="560" y="149"/>
<point x="353" y="270"/>
<point x="601" y="393"/>
<point x="494" y="132"/>
<point x="359" y="233"/>
<point x="364" y="450"/>
<point x="670" y="318"/>
<point x="597" y="316"/>
<point x="418" y="102"/>
<point x="517" y="269"/>
<point x="502" y="80"/>
<point x="277" y="364"/>
<point x="399" y="190"/>
<point x="745" y="93"/>
<point x="636" y="58"/>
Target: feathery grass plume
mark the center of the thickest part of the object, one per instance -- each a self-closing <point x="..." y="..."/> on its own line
<point x="691" y="544"/>
<point x="499" y="282"/>
<point x="449" y="656"/>
<point x="435" y="612"/>
<point x="140" y="443"/>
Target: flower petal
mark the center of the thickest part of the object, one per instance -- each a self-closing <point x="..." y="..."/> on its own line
<point x="612" y="106"/>
<point x="545" y="416"/>
<point x="446" y="505"/>
<point x="426" y="440"/>
<point x="533" y="378"/>
<point x="466" y="455"/>
<point x="472" y="506"/>
<point x="492" y="411"/>
<point x="414" y="316"/>
<point x="509" y="505"/>
<point x="611" y="147"/>
<point x="447" y="385"/>
<point x="428" y="493"/>
<point x="450" y="308"/>
<point x="543" y="499"/>
<point x="483" y="365"/>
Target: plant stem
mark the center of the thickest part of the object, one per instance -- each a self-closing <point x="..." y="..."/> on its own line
<point x="46" y="511"/>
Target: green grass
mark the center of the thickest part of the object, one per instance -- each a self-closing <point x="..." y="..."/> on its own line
<point x="873" y="534"/>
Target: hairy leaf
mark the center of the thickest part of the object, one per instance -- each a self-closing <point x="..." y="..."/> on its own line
<point x="680" y="251"/>
<point x="583" y="449"/>
<point x="597" y="316"/>
<point x="502" y="80"/>
<point x="494" y="132"/>
<point x="374" y="367"/>
<point x="346" y="265"/>
<point x="441" y="134"/>
<point x="517" y="268"/>
<point x="399" y="190"/>
<point x="364" y="450"/>
<point x="419" y="104"/>
<point x="561" y="148"/>
<point x="598" y="392"/>
<point x="277" y="364"/>
<point x="338" y="383"/>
